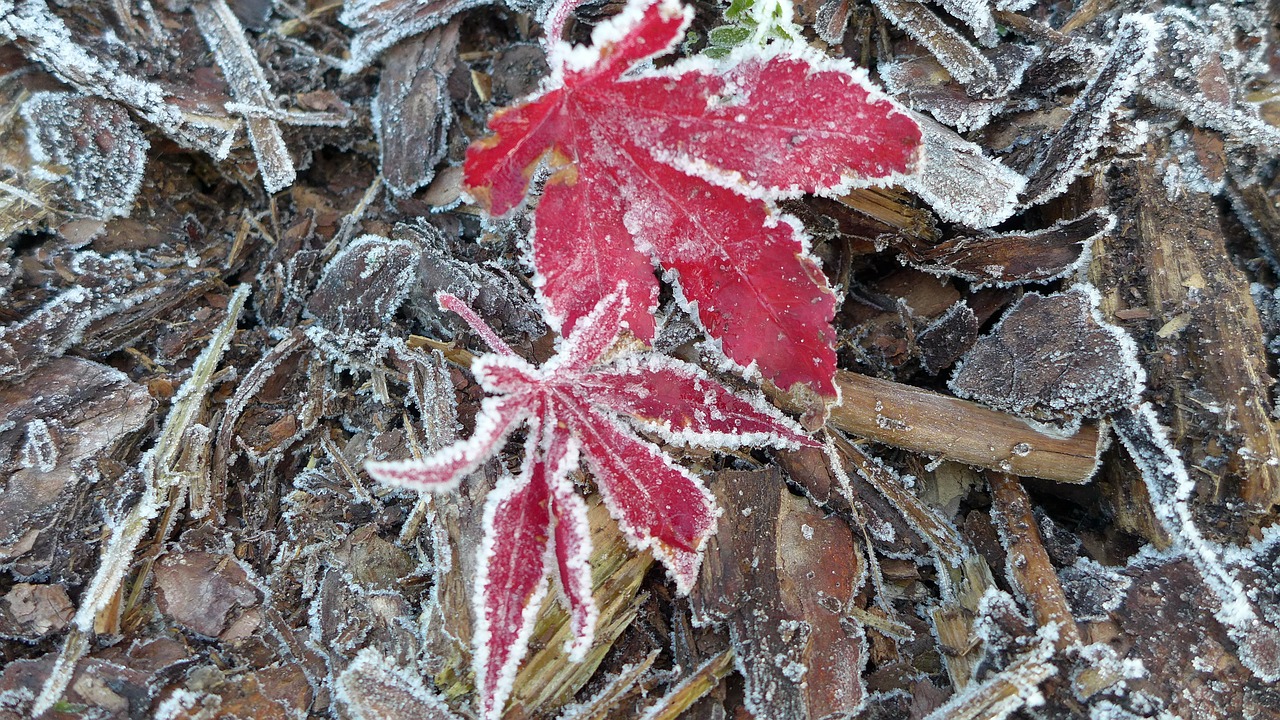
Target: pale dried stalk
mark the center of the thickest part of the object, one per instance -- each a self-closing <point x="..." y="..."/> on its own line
<point x="547" y="678"/>
<point x="159" y="477"/>
<point x="601" y="706"/>
<point x="962" y="588"/>
<point x="432" y="391"/>
<point x="691" y="689"/>
<point x="225" y="36"/>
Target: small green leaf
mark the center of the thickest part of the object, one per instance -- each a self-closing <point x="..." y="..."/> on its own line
<point x="738" y="9"/>
<point x="728" y="36"/>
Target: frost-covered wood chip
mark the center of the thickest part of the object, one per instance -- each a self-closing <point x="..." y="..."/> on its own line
<point x="376" y="687"/>
<point x="1177" y="654"/>
<point x="1051" y="359"/>
<point x="412" y="111"/>
<point x="1007" y="691"/>
<point x="29" y="612"/>
<point x="92" y="145"/>
<point x="960" y="182"/>
<point x="1170" y="489"/>
<point x="1063" y="158"/>
<point x="944" y="340"/>
<point x="494" y="292"/>
<point x="954" y="52"/>
<point x="383" y="23"/>
<point x="359" y="292"/>
<point x="925" y="86"/>
<point x="977" y="15"/>
<point x="201" y="591"/>
<point x="45" y="38"/>
<point x="50" y="439"/>
<point x="1201" y="75"/>
<point x="108" y="285"/>
<point x="1016" y="257"/>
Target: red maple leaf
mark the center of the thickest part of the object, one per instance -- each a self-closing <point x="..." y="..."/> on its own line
<point x="678" y="167"/>
<point x="536" y="524"/>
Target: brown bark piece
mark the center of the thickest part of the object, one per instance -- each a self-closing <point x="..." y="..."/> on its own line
<point x="412" y="108"/>
<point x="1203" y="345"/>
<point x="1191" y="667"/>
<point x="779" y="573"/>
<point x="945" y="340"/>
<point x="1012" y="257"/>
<point x="890" y="533"/>
<point x="1050" y="360"/>
<point x="200" y="590"/>
<point x="58" y="421"/>
<point x="926" y="522"/>
<point x="1063" y="158"/>
<point x="383" y="23"/>
<point x="29" y="612"/>
<point x="960" y="57"/>
<point x="890" y="208"/>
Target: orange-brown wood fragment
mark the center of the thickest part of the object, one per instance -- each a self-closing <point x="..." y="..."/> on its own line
<point x="1029" y="567"/>
<point x="943" y="426"/>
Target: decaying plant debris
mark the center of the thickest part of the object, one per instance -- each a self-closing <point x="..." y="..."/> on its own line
<point x="1050" y="490"/>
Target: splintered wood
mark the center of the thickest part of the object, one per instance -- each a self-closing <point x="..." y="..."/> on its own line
<point x="1197" y="298"/>
<point x="1030" y="568"/>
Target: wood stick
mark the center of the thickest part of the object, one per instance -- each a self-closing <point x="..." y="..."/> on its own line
<point x="942" y="426"/>
<point x="1030" y="571"/>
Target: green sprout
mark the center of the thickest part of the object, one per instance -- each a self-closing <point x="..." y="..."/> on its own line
<point x="752" y="22"/>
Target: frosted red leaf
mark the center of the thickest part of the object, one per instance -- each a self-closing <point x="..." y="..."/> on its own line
<point x="679" y="167"/>
<point x="579" y="402"/>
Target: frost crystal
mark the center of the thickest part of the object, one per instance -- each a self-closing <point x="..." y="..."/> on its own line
<point x="39" y="451"/>
<point x="1093" y="590"/>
